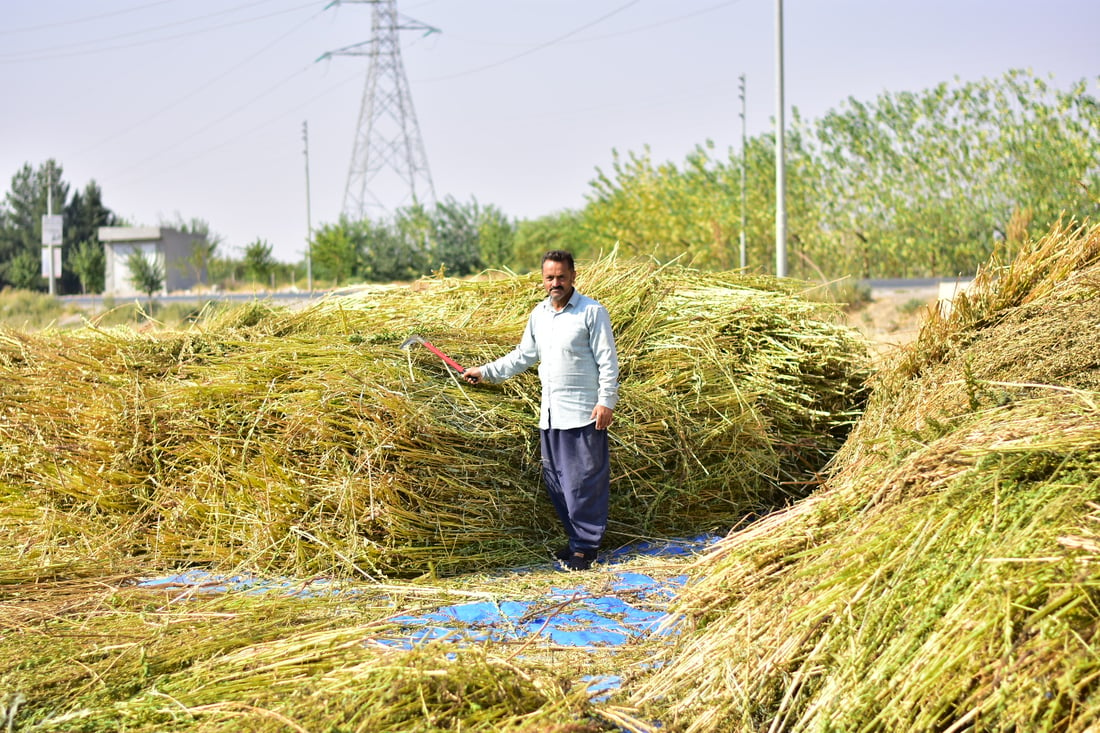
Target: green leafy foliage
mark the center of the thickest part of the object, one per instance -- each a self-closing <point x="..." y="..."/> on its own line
<point x="87" y="263"/>
<point x="924" y="183"/>
<point x="146" y="274"/>
<point x="21" y="214"/>
<point x="453" y="237"/>
<point x="21" y="223"/>
<point x="455" y="244"/>
<point x="258" y="260"/>
<point x="84" y="215"/>
<point x="693" y="211"/>
<point x="335" y="251"/>
<point x="560" y="230"/>
<point x="496" y="235"/>
<point x="912" y="184"/>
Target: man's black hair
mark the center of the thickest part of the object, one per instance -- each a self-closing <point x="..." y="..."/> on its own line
<point x="560" y="255"/>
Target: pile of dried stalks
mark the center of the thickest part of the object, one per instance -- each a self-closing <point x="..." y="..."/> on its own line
<point x="91" y="657"/>
<point x="306" y="442"/>
<point x="948" y="575"/>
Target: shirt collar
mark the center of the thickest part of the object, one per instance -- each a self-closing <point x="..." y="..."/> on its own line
<point x="571" y="302"/>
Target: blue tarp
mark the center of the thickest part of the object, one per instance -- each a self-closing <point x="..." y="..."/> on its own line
<point x="627" y="608"/>
<point x="566" y="616"/>
<point x="574" y="616"/>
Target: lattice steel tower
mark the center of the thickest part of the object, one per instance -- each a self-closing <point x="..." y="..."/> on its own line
<point x="389" y="167"/>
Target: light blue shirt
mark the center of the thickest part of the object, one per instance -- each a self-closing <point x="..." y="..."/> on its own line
<point x="578" y="364"/>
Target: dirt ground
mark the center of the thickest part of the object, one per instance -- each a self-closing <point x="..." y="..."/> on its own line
<point x="894" y="315"/>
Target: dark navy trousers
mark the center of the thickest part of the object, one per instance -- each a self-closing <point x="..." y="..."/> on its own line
<point x="576" y="468"/>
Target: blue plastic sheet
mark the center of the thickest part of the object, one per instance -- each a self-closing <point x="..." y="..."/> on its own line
<point x="201" y="581"/>
<point x="629" y="608"/>
<point x="567" y="616"/>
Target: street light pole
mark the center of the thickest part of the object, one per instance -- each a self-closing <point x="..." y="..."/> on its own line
<point x="744" y="164"/>
<point x="780" y="188"/>
<point x="309" y="220"/>
<point x="49" y="212"/>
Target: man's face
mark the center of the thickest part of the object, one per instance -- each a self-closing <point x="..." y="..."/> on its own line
<point x="557" y="278"/>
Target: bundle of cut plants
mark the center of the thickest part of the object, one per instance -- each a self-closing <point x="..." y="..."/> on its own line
<point x="947" y="576"/>
<point x="307" y="441"/>
<point x="109" y="659"/>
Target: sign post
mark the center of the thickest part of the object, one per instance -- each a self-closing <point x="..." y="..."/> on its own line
<point x="52" y="235"/>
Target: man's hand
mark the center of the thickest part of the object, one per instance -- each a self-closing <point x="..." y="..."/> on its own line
<point x="603" y="415"/>
<point x="472" y="375"/>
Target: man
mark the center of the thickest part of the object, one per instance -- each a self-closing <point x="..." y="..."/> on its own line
<point x="570" y="336"/>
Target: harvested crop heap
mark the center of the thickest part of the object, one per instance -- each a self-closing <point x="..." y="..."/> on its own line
<point x="947" y="577"/>
<point x="308" y="442"/>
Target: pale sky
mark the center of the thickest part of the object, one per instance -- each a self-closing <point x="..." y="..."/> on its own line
<point x="196" y="107"/>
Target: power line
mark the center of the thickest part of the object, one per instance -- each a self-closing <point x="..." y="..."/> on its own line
<point x="79" y="49"/>
<point x="606" y="36"/>
<point x="267" y="122"/>
<point x="540" y="47"/>
<point x="219" y="120"/>
<point x="660" y="23"/>
<point x="201" y="88"/>
<point x="85" y="19"/>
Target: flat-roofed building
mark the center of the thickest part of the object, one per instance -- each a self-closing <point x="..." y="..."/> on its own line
<point x="170" y="250"/>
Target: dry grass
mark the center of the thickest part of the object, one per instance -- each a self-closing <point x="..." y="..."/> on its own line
<point x="305" y="442"/>
<point x="103" y="657"/>
<point x="948" y="575"/>
<point x="945" y="578"/>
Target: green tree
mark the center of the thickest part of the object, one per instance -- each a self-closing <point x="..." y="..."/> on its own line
<point x="258" y="261"/>
<point x="336" y="250"/>
<point x="24" y="271"/>
<point x="387" y="254"/>
<point x="146" y="274"/>
<point x="21" y="223"/>
<point x="84" y="215"/>
<point x="21" y="215"/>
<point x="921" y="184"/>
<point x="560" y="230"/>
<point x="457" y="246"/>
<point x="87" y="262"/>
<point x="692" y="212"/>
<point x="496" y="236"/>
<point x="910" y="185"/>
<point x="203" y="255"/>
<point x="804" y="206"/>
<point x="416" y="228"/>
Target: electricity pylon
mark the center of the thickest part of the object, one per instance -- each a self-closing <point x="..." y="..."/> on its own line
<point x="387" y="138"/>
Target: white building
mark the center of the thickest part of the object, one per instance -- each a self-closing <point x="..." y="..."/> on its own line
<point x="949" y="290"/>
<point x="168" y="249"/>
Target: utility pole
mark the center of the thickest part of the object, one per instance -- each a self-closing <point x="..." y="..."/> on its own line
<point x="49" y="213"/>
<point x="744" y="164"/>
<point x="387" y="136"/>
<point x="309" y="219"/>
<point x="52" y="236"/>
<point x="780" y="187"/>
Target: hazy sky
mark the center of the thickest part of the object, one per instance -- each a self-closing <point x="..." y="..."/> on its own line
<point x="195" y="107"/>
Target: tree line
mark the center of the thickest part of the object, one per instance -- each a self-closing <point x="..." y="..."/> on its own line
<point x="911" y="184"/>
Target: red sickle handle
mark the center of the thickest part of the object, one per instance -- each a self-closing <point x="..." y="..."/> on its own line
<point x="457" y="367"/>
